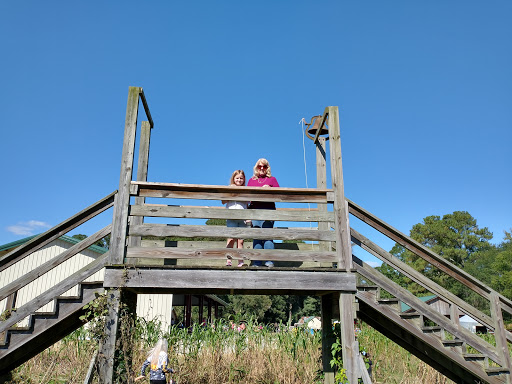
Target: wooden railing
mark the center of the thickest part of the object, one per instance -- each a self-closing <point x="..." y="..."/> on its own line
<point x="497" y="302"/>
<point x="214" y="192"/>
<point x="10" y="259"/>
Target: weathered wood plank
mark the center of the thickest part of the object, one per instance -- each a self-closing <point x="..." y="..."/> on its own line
<point x="234" y="279"/>
<point x="340" y="213"/>
<point x="223" y="192"/>
<point x="217" y="207"/>
<point x="49" y="265"/>
<point x="500" y="331"/>
<point x="120" y="221"/>
<point x="163" y="230"/>
<point x="231" y="196"/>
<point x="343" y="247"/>
<point x="235" y="253"/>
<point x="54" y="233"/>
<point x="142" y="175"/>
<point x="235" y="214"/>
<point x="57" y="290"/>
<point x="321" y="183"/>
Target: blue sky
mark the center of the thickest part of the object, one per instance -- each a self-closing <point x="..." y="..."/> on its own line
<point x="424" y="90"/>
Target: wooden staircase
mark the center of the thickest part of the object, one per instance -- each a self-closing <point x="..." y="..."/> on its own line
<point x="328" y="271"/>
<point x="432" y="343"/>
<point x="19" y="344"/>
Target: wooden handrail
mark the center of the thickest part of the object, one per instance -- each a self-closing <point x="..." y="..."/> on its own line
<point x="49" y="265"/>
<point x="57" y="290"/>
<point x="226" y="192"/>
<point x="427" y="254"/>
<point x="54" y="233"/>
<point x="424" y="281"/>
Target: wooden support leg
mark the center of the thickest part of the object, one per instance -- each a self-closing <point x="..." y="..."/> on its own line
<point x="201" y="309"/>
<point x="188" y="311"/>
<point x="348" y="339"/>
<point x="119" y="302"/>
<point x="328" y="337"/>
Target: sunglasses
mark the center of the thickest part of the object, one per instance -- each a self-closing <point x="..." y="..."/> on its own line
<point x="262" y="166"/>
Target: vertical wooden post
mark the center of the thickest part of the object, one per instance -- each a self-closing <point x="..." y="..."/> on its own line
<point x="107" y="359"/>
<point x="216" y="310"/>
<point x="328" y="337"/>
<point x="142" y="175"/>
<point x="321" y="182"/>
<point x="11" y="301"/>
<point x="201" y="309"/>
<point x="500" y="332"/>
<point x="343" y="248"/>
<point x="188" y="311"/>
<point x="117" y="297"/>
<point x="120" y="221"/>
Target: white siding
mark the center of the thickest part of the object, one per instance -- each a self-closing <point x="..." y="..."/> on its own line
<point x="155" y="307"/>
<point x="49" y="279"/>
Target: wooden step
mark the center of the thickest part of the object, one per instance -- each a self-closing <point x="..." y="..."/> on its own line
<point x="412" y="317"/>
<point x="433" y="329"/>
<point x="392" y="303"/>
<point x="453" y="343"/>
<point x="45" y="328"/>
<point x="475" y="358"/>
<point x="497" y="370"/>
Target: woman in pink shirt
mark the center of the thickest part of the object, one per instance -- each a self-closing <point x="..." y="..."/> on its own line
<point x="262" y="178"/>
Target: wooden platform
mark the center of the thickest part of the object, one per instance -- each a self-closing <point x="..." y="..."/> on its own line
<point x="229" y="280"/>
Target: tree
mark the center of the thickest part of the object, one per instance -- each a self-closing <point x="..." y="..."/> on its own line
<point x="249" y="306"/>
<point x="104" y="242"/>
<point x="455" y="236"/>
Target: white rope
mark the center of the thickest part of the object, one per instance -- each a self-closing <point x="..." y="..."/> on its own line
<point x="302" y="121"/>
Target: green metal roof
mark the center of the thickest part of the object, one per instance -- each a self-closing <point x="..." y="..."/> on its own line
<point x="404" y="307"/>
<point x="65" y="238"/>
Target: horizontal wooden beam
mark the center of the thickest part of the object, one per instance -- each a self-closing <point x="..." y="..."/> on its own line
<point x="223" y="192"/>
<point x="163" y="230"/>
<point x="234" y="214"/>
<point x="222" y="253"/>
<point x="233" y="280"/>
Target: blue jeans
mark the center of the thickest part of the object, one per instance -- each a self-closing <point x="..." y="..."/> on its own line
<point x="262" y="244"/>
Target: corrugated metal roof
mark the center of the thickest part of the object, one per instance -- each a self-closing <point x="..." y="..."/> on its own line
<point x="404" y="307"/>
<point x="65" y="238"/>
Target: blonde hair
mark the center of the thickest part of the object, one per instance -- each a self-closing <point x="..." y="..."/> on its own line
<point x="255" y="169"/>
<point x="160" y="346"/>
<point x="237" y="172"/>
